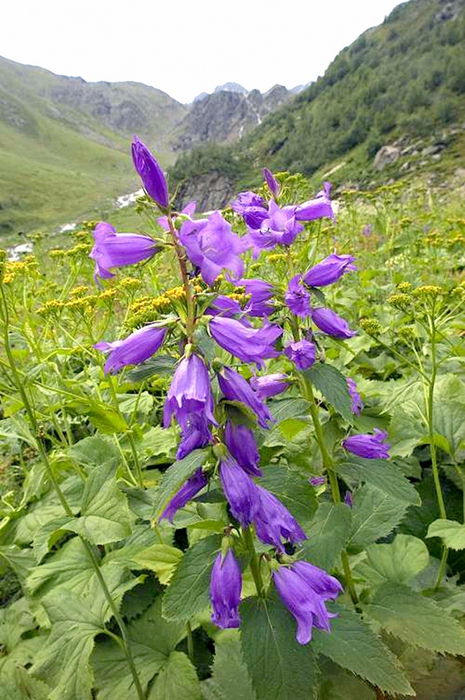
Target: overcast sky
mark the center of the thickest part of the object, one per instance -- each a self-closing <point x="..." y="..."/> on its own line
<point x="185" y="47"/>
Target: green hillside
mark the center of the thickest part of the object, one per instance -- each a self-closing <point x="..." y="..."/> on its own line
<point x="402" y="80"/>
<point x="64" y="143"/>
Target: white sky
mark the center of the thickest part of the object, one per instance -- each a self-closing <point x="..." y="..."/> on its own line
<point x="185" y="47"/>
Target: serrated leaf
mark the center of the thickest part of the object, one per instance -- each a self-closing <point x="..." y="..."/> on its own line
<point x="177" y="679"/>
<point x="20" y="560"/>
<point x="374" y="515"/>
<point x="95" y="451"/>
<point x="160" y="558"/>
<point x="158" y="442"/>
<point x="328" y="534"/>
<point x="15" y="620"/>
<point x="333" y="385"/>
<point x="276" y="662"/>
<point x="188" y="592"/>
<point x="451" y="532"/>
<point x="289" y="408"/>
<point x="354" y="646"/>
<point x="230" y="679"/>
<point x="385" y="475"/>
<point x="415" y="619"/>
<point x="337" y="684"/>
<point x="103" y="418"/>
<point x="399" y="561"/>
<point x="175" y="476"/>
<point x="293" y="490"/>
<point x="161" y="364"/>
<point x="449" y="422"/>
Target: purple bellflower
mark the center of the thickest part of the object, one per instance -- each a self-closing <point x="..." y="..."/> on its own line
<point x="356" y="403"/>
<point x="330" y="323"/>
<point x="134" y="349"/>
<point x="241" y="443"/>
<point x="213" y="247"/>
<point x="188" y="211"/>
<point x="349" y="499"/>
<point x="248" y="344"/>
<point x="317" y="480"/>
<point x="150" y="173"/>
<point x="190" y="392"/>
<point x="225" y="306"/>
<point x="273" y="184"/>
<point x="297" y="297"/>
<point x="329" y="270"/>
<point x="246" y="199"/>
<point x="225" y="591"/>
<point x="302" y="353"/>
<point x="316" y="208"/>
<point x="368" y="446"/>
<point x="194" y="434"/>
<point x="240" y="491"/>
<point x="235" y="388"/>
<point x="323" y="584"/>
<point x="270" y="385"/>
<point x="260" y="294"/>
<point x="113" y="249"/>
<point x="280" y="227"/>
<point x="299" y="592"/>
<point x="273" y="522"/>
<point x="185" y="494"/>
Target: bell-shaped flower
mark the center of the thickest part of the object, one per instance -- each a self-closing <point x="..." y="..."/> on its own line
<point x="212" y="246"/>
<point x="235" y="388"/>
<point x="188" y="211"/>
<point x="329" y="270"/>
<point x="240" y="491"/>
<point x="297" y="297"/>
<point x="322" y="583"/>
<point x="150" y="173"/>
<point x="300" y="595"/>
<point x="190" y="392"/>
<point x="113" y="249"/>
<point x="270" y="385"/>
<point x="186" y="493"/>
<point x="330" y="323"/>
<point x="316" y="208"/>
<point x="225" y="306"/>
<point x="273" y="184"/>
<point x="245" y="200"/>
<point x="368" y="446"/>
<point x="134" y="349"/>
<point x="302" y="353"/>
<point x="225" y="591"/>
<point x="280" y="227"/>
<point x="194" y="435"/>
<point x="248" y="344"/>
<point x="260" y="293"/>
<point x="356" y="403"/>
<point x="240" y="441"/>
<point x="274" y="523"/>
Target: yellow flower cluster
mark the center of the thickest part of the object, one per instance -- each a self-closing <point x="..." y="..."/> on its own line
<point x="371" y="326"/>
<point x="12" y="269"/>
<point x="79" y="291"/>
<point x="400" y="301"/>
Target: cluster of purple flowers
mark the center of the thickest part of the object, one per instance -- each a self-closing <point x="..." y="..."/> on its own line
<point x="212" y="247"/>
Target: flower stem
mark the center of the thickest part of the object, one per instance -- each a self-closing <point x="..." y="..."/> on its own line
<point x="190" y="325"/>
<point x="190" y="642"/>
<point x="254" y="561"/>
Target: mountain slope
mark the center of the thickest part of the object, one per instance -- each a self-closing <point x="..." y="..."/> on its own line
<point x="405" y="78"/>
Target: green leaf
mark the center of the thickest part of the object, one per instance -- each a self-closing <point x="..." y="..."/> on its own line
<point x="415" y="619"/>
<point x="449" y="422"/>
<point x="158" y="442"/>
<point x="188" y="592"/>
<point x="289" y="408"/>
<point x="20" y="560"/>
<point x="175" y="477"/>
<point x="333" y="385"/>
<point x="293" y="490"/>
<point x="177" y="679"/>
<point x="292" y="427"/>
<point x="451" y="532"/>
<point x="278" y="666"/>
<point x="161" y="364"/>
<point x="337" y="684"/>
<point x="103" y="418"/>
<point x="15" y="620"/>
<point x="95" y="451"/>
<point x="374" y="515"/>
<point x="64" y="660"/>
<point x="354" y="646"/>
<point x="400" y="561"/>
<point x="328" y="534"/>
<point x="385" y="475"/>
<point x="160" y="558"/>
<point x="230" y="679"/>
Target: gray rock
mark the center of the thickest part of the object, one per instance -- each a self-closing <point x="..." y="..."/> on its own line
<point x="386" y="156"/>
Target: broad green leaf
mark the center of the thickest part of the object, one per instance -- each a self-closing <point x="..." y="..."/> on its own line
<point x="408" y="431"/>
<point x="385" y="475"/>
<point x="103" y="418"/>
<point x="451" y="532"/>
<point x="337" y="684"/>
<point x="160" y="558"/>
<point x="158" y="442"/>
<point x="63" y="662"/>
<point x="95" y="451"/>
<point x="415" y="619"/>
<point x="177" y="679"/>
<point x="34" y="520"/>
<point x="328" y="534"/>
<point x="230" y="679"/>
<point x="399" y="561"/>
<point x="333" y="385"/>
<point x="188" y="592"/>
<point x="152" y="640"/>
<point x="18" y="684"/>
<point x="449" y="421"/>
<point x="141" y="403"/>
<point x="355" y="647"/>
<point x="289" y="408"/>
<point x="374" y="515"/>
<point x="15" y="620"/>
<point x="278" y="666"/>
<point x="20" y="560"/>
<point x="292" y="427"/>
<point x="175" y="477"/>
<point x="293" y="490"/>
<point x="161" y="364"/>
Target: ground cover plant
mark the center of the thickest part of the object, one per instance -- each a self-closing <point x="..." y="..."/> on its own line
<point x="232" y="451"/>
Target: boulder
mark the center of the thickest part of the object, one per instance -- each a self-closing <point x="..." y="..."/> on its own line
<point x="386" y="156"/>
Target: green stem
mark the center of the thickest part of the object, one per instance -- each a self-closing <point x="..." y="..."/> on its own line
<point x="190" y="642"/>
<point x="254" y="561"/>
<point x="190" y="325"/>
<point x="130" y="436"/>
